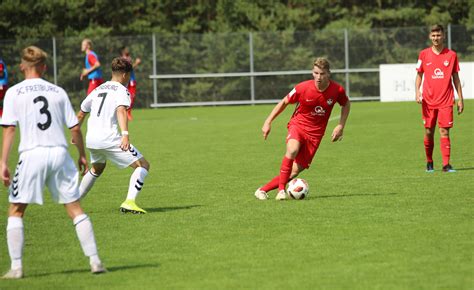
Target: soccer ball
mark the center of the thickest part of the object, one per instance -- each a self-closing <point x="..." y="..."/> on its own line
<point x="298" y="188"/>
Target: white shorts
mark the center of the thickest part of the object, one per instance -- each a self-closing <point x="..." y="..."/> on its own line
<point x="50" y="166"/>
<point x="119" y="157"/>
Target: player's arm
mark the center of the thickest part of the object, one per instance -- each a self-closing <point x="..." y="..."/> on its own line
<point x="8" y="138"/>
<point x="123" y="124"/>
<point x="338" y="132"/>
<point x="458" y="87"/>
<point x="419" y="78"/>
<point x="81" y="115"/>
<point x="79" y="142"/>
<point x="280" y="107"/>
<point x="136" y="62"/>
<point x="95" y="65"/>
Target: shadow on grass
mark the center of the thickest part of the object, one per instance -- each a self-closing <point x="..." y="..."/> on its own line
<point x="355" y="194"/>
<point x="86" y="270"/>
<point x="172" y="208"/>
<point x="467" y="168"/>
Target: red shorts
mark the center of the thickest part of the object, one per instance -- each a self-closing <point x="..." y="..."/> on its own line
<point x="443" y="115"/>
<point x="308" y="148"/>
<point x="94" y="83"/>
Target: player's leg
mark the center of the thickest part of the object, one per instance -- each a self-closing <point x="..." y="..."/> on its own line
<point x="98" y="161"/>
<point x="15" y="240"/>
<point x="90" y="178"/>
<point x="445" y="122"/>
<point x="429" y="120"/>
<point x="85" y="234"/>
<point x="137" y="181"/>
<point x="286" y="168"/>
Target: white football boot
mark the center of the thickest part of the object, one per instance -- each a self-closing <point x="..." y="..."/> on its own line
<point x="281" y="195"/>
<point x="260" y="194"/>
<point x="98" y="268"/>
<point x="14" y="274"/>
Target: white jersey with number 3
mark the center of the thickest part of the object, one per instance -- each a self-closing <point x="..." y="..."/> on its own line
<point x="41" y="109"/>
<point x="102" y="104"/>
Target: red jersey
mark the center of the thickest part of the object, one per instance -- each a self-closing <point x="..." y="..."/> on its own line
<point x="438" y="91"/>
<point x="314" y="107"/>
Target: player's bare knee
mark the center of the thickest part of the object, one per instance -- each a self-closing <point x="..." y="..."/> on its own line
<point x="97" y="168"/>
<point x="145" y="164"/>
<point x="17" y="209"/>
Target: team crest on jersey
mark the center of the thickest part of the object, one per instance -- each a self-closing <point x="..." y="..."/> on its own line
<point x="330" y="101"/>
<point x="446" y="63"/>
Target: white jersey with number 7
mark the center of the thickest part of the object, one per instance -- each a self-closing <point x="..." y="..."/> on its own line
<point x="102" y="103"/>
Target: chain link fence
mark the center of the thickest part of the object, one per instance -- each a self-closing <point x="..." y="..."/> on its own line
<point x="238" y="68"/>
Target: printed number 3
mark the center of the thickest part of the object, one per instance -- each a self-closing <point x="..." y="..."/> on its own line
<point x="102" y="95"/>
<point x="43" y="110"/>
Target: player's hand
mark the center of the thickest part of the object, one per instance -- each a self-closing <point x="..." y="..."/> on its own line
<point x="125" y="145"/>
<point x="266" y="130"/>
<point x="419" y="98"/>
<point x="137" y="61"/>
<point x="460" y="106"/>
<point x="83" y="74"/>
<point x="83" y="166"/>
<point x="5" y="175"/>
<point x="337" y="133"/>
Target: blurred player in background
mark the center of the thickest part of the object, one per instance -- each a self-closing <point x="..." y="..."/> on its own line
<point x="132" y="84"/>
<point x="315" y="100"/>
<point x="42" y="110"/>
<point x="92" y="68"/>
<point x="3" y="84"/>
<point x="437" y="66"/>
<point x="108" y="106"/>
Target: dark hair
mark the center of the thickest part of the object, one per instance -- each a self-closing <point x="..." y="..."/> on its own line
<point x="122" y="49"/>
<point x="121" y="65"/>
<point x="437" y="28"/>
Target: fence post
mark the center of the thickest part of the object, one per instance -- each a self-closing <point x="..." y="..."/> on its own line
<point x="346" y="58"/>
<point x="155" y="89"/>
<point x="449" y="35"/>
<point x="252" y="78"/>
<point x="55" y="67"/>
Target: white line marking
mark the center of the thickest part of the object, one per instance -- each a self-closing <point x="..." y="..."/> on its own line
<point x="334" y="118"/>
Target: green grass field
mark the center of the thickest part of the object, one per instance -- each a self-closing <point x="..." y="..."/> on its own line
<point x="373" y="220"/>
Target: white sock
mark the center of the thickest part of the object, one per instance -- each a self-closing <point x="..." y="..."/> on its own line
<point x="15" y="241"/>
<point x="87" y="182"/>
<point x="85" y="233"/>
<point x="136" y="182"/>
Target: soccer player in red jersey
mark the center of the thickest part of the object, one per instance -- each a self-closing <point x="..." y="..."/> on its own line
<point x="315" y="100"/>
<point x="3" y="83"/>
<point x="132" y="84"/>
<point x="439" y="66"/>
<point x="92" y="68"/>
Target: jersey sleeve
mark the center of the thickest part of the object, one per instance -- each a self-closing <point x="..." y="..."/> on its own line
<point x="2" y="67"/>
<point x="419" y="64"/>
<point x="293" y="96"/>
<point x="9" y="117"/>
<point x="92" y="59"/>
<point x="456" y="64"/>
<point x="70" y="117"/>
<point x="86" y="105"/>
<point x="124" y="99"/>
<point x="342" y="98"/>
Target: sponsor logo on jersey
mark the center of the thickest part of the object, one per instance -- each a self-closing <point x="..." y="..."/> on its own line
<point x="330" y="101"/>
<point x="438" y="74"/>
<point x="446" y="63"/>
<point x="428" y="63"/>
<point x="318" y="111"/>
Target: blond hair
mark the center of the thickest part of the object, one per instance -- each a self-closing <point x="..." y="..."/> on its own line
<point x="322" y="63"/>
<point x="88" y="41"/>
<point x="33" y="56"/>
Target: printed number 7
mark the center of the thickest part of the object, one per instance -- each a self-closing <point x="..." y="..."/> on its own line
<point x="102" y="95"/>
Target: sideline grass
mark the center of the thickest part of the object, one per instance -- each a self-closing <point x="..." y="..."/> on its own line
<point x="373" y="220"/>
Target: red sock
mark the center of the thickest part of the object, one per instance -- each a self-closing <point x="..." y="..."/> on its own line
<point x="285" y="172"/>
<point x="429" y="145"/>
<point x="445" y="150"/>
<point x="271" y="185"/>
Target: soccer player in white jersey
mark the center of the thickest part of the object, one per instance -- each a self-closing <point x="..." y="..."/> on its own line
<point x="41" y="110"/>
<point x="108" y="106"/>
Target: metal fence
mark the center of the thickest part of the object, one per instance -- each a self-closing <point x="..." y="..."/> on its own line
<point x="240" y="68"/>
